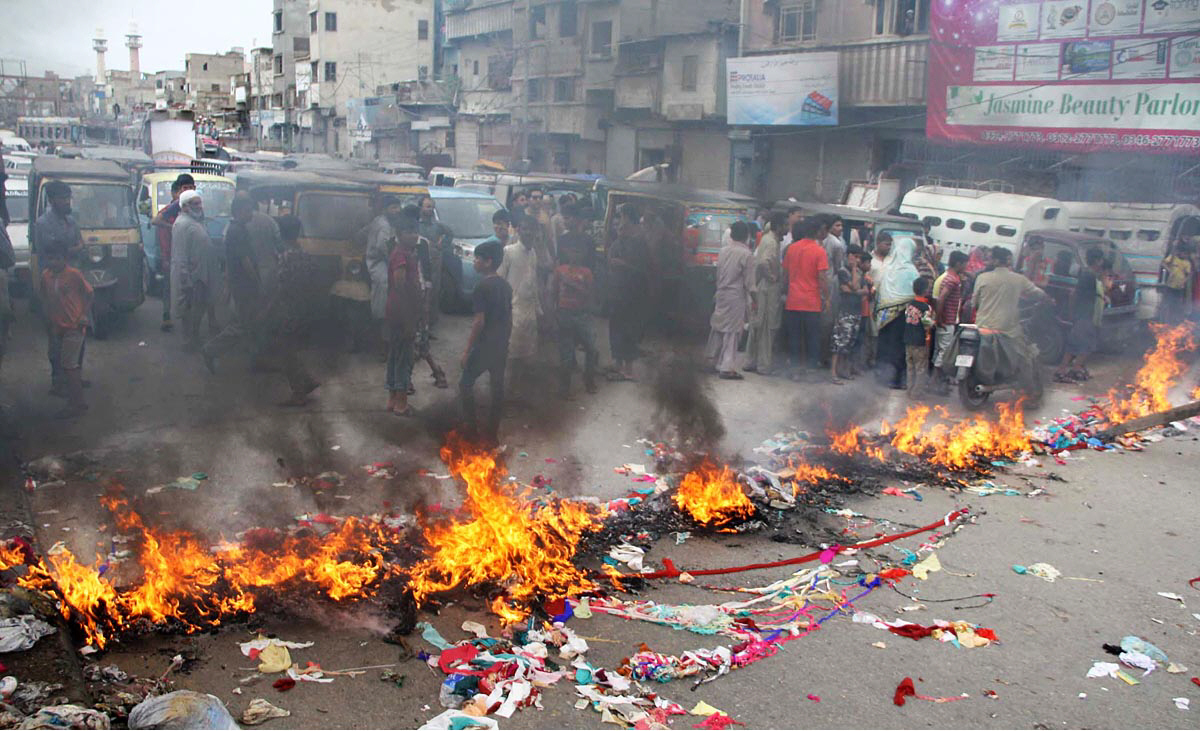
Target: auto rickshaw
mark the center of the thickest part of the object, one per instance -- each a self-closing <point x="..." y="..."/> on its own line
<point x="685" y="234"/>
<point x="154" y="192"/>
<point x="333" y="215"/>
<point x="102" y="203"/>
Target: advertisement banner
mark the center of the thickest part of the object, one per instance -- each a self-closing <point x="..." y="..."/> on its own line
<point x="792" y="89"/>
<point x="1077" y="75"/>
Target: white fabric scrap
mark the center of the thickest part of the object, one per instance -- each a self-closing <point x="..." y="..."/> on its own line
<point x="444" y="720"/>
<point x="630" y="555"/>
<point x="260" y="643"/>
<point x="22" y="632"/>
<point x="1103" y="670"/>
<point x="1183" y="704"/>
<point x="1138" y="660"/>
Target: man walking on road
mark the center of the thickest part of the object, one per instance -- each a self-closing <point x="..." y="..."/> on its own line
<point x="194" y="269"/>
<point x="252" y="248"/>
<point x="487" y="345"/>
<point x="732" y="304"/>
<point x="163" y="222"/>
<point x="767" y="313"/>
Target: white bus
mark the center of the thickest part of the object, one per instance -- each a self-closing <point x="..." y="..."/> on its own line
<point x="962" y="218"/>
<point x="1142" y="231"/>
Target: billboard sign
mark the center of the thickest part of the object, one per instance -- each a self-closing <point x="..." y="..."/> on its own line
<point x="1074" y="75"/>
<point x="791" y="89"/>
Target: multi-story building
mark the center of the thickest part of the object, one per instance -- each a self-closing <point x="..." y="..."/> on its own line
<point x="354" y="47"/>
<point x="22" y="95"/>
<point x="169" y="89"/>
<point x="479" y="57"/>
<point x="882" y="47"/>
<point x="207" y="80"/>
<point x="289" y="40"/>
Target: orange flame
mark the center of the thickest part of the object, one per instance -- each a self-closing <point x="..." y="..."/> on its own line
<point x="185" y="581"/>
<point x="712" y="496"/>
<point x="1161" y="370"/>
<point x="846" y="442"/>
<point x="525" y="547"/>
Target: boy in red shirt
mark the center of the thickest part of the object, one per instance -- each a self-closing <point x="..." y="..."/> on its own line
<point x="804" y="266"/>
<point x="571" y="290"/>
<point x="67" y="297"/>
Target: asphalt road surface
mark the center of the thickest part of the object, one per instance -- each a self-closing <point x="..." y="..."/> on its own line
<point x="1120" y="527"/>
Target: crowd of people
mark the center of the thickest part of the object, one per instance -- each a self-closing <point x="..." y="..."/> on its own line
<point x="805" y="298"/>
<point x="887" y="303"/>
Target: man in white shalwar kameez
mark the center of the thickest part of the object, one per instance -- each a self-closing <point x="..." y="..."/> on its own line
<point x="735" y="278"/>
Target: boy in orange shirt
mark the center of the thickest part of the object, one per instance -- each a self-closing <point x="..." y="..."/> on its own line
<point x="67" y="297"/>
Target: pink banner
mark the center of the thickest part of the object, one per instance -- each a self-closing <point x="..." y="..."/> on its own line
<point x="1077" y="75"/>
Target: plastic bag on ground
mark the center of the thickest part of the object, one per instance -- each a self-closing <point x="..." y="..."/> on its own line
<point x="261" y="710"/>
<point x="181" y="709"/>
<point x="66" y="716"/>
<point x="453" y="719"/>
<point x="21" y="633"/>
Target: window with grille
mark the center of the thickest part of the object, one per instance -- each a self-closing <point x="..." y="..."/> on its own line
<point x="312" y="22"/>
<point x="564" y="90"/>
<point x="331" y="70"/>
<point x="691" y="67"/>
<point x="330" y="21"/>
<point x="533" y="88"/>
<point x="422" y="30"/>
<point x="567" y="19"/>
<point x="278" y="21"/>
<point x="602" y="38"/>
<point x="797" y="21"/>
<point x="537" y="22"/>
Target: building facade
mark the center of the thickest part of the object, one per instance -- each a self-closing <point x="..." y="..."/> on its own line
<point x="355" y="47"/>
<point x="882" y="47"/>
<point x="207" y="80"/>
<point x="479" y="61"/>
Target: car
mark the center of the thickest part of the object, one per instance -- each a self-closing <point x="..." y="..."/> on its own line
<point x="16" y="191"/>
<point x="154" y="192"/>
<point x="468" y="215"/>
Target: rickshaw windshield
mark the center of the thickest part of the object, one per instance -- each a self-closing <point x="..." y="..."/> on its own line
<point x="711" y="226"/>
<point x="467" y="218"/>
<point x="216" y="194"/>
<point x="102" y="206"/>
<point x="332" y="216"/>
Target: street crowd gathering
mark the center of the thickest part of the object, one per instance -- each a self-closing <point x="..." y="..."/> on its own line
<point x="798" y="296"/>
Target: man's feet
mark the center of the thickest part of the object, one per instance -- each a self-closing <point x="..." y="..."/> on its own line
<point x="589" y="385"/>
<point x="730" y="376"/>
<point x="58" y="390"/>
<point x="167" y="326"/>
<point x="439" y="380"/>
<point x="750" y="369"/>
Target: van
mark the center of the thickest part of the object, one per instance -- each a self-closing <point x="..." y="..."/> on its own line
<point x="1142" y="231"/>
<point x="960" y="218"/>
<point x="468" y="215"/>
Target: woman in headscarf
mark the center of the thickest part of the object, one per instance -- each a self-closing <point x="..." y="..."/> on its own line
<point x="893" y="292"/>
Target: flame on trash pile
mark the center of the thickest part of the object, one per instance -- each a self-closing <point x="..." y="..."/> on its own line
<point x="525" y="547"/>
<point x="712" y="496"/>
<point x="957" y="446"/>
<point x="1162" y="369"/>
<point x="184" y="581"/>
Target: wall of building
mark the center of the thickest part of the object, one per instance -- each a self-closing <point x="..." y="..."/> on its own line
<point x="376" y="43"/>
<point x="705" y="158"/>
<point x="678" y="104"/>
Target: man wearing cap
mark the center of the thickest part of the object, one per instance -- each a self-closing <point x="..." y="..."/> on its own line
<point x="162" y="223"/>
<point x="194" y="269"/>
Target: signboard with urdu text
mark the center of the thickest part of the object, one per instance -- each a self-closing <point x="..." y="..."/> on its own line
<point x="790" y="89"/>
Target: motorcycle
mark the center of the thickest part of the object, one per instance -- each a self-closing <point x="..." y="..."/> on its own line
<point x="973" y="391"/>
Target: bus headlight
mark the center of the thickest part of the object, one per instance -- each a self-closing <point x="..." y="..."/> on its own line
<point x="96" y="254"/>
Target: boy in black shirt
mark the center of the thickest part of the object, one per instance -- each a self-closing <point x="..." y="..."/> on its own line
<point x="918" y="321"/>
<point x="487" y="345"/>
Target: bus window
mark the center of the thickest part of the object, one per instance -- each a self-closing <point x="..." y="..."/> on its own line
<point x="1050" y="214"/>
<point x="980" y="228"/>
<point x="1093" y="231"/>
<point x="1148" y="234"/>
<point x="931" y="221"/>
<point x="1006" y="231"/>
<point x="955" y="224"/>
<point x="1117" y="234"/>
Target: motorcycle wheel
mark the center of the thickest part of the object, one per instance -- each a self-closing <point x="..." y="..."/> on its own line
<point x="972" y="399"/>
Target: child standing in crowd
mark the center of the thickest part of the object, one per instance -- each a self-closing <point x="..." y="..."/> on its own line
<point x="572" y="290"/>
<point x="68" y="299"/>
<point x="949" y="307"/>
<point x="1177" y="282"/>
<point x="918" y="321"/>
<point x="861" y="343"/>
<point x="851" y="290"/>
